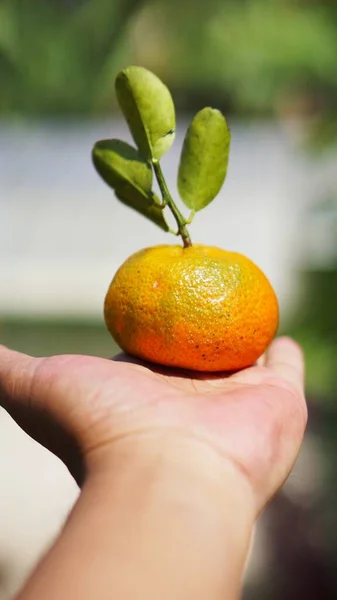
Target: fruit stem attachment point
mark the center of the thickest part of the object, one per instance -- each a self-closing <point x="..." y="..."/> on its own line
<point x="168" y="201"/>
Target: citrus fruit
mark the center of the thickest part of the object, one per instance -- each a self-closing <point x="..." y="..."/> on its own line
<point x="199" y="308"/>
<point x="191" y="306"/>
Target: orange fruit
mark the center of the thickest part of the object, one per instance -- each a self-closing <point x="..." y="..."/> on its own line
<point x="199" y="308"/>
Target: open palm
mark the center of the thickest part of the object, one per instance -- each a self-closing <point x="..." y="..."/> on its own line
<point x="79" y="405"/>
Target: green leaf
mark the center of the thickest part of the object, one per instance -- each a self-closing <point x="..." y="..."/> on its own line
<point x="204" y="159"/>
<point x="148" y="206"/>
<point x="117" y="162"/>
<point x="122" y="168"/>
<point x="148" y="108"/>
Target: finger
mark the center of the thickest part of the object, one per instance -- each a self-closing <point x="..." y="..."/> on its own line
<point x="45" y="385"/>
<point x="262" y="360"/>
<point x="285" y="358"/>
<point x="16" y="373"/>
<point x="75" y="391"/>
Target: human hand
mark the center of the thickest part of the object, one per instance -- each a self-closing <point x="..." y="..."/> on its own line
<point x="176" y="467"/>
<point x="80" y="406"/>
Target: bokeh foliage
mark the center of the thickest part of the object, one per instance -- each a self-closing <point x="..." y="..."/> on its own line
<point x="252" y="56"/>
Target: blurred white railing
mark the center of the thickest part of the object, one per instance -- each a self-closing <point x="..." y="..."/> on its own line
<point x="63" y="234"/>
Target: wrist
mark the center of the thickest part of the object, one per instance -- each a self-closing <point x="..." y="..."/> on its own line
<point x="159" y="517"/>
<point x="193" y="504"/>
<point x="164" y="461"/>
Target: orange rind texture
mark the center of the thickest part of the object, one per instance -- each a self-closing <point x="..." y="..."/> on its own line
<point x="200" y="308"/>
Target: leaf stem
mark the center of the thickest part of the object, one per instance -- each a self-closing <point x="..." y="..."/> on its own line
<point x="168" y="201"/>
<point x="190" y="218"/>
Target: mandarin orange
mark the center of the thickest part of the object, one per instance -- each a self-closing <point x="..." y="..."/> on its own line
<point x="199" y="308"/>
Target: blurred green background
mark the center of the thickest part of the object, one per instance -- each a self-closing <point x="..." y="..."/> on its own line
<point x="252" y="57"/>
<point x="258" y="61"/>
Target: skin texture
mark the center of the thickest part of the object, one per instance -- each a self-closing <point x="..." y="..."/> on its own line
<point x="174" y="468"/>
<point x="199" y="308"/>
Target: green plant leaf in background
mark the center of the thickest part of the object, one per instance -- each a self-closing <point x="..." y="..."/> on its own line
<point x="204" y="158"/>
<point x="122" y="168"/>
<point x="148" y="108"/>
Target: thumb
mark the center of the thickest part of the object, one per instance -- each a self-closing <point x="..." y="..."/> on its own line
<point x="25" y="384"/>
<point x="17" y="374"/>
<point x="37" y="395"/>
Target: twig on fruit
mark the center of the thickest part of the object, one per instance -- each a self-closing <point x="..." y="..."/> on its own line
<point x="168" y="201"/>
